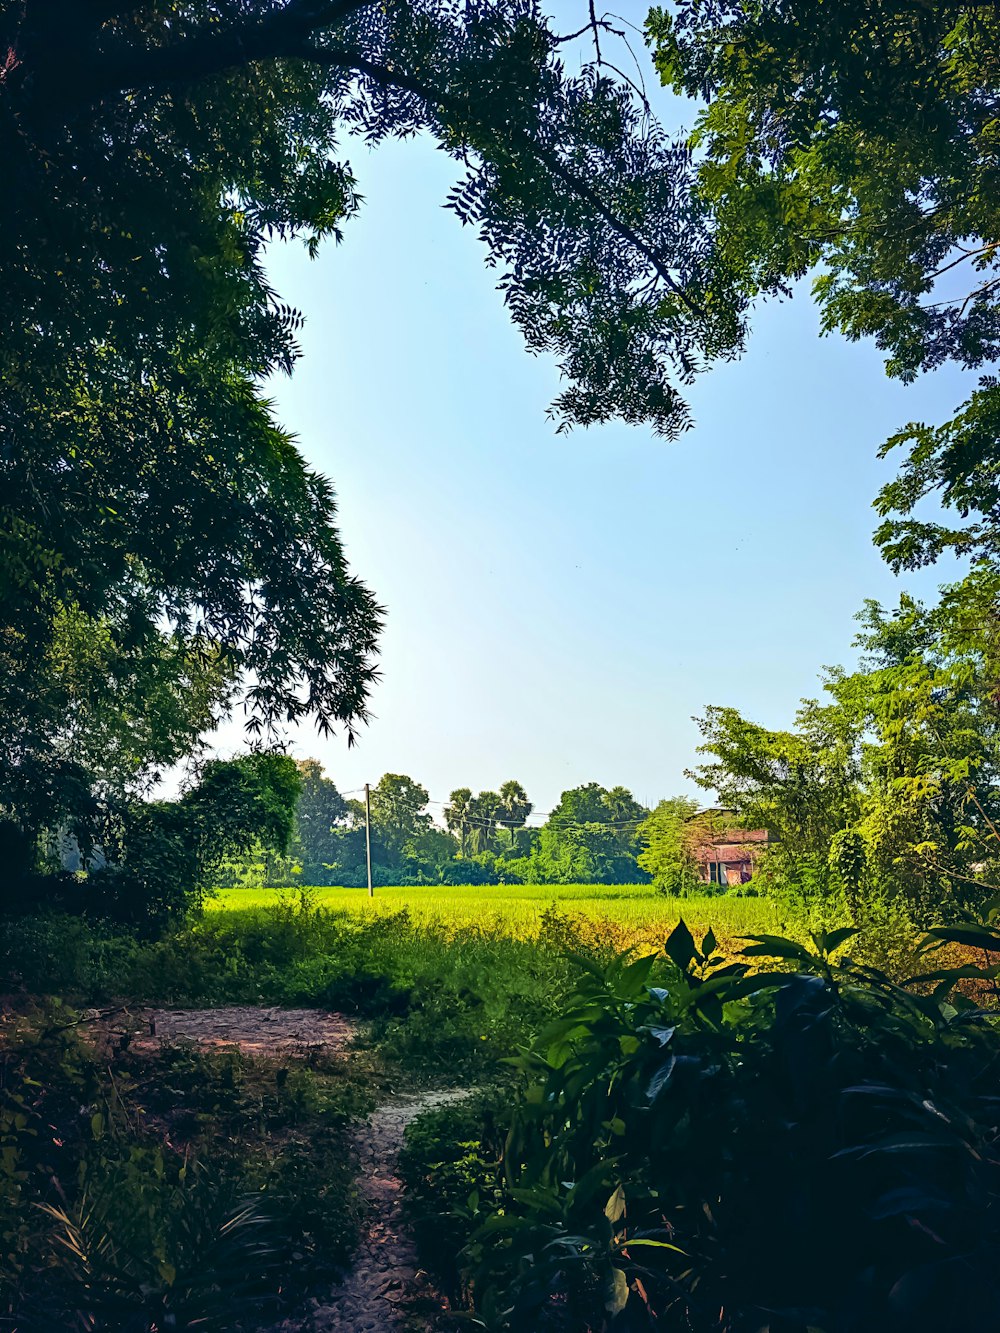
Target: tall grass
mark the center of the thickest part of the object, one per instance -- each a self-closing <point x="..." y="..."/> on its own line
<point x="448" y="978"/>
<point x="629" y="913"/>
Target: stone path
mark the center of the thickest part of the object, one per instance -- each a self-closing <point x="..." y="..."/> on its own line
<point x="376" y="1294"/>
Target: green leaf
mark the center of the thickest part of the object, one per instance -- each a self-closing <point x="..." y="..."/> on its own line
<point x="661" y="1034"/>
<point x="632" y="979"/>
<point x="652" y="1244"/>
<point x="591" y="1181"/>
<point x="776" y="946"/>
<point x="980" y="937"/>
<point x="538" y="1199"/>
<point x="680" y="946"/>
<point x="832" y="940"/>
<point x="661" y="1078"/>
<point x="952" y="974"/>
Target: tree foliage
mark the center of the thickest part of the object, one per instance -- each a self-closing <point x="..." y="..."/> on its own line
<point x="151" y="499"/>
<point x="144" y="474"/>
<point x="154" y="859"/>
<point x="514" y="808"/>
<point x="591" y="836"/>
<point x="669" y="841"/>
<point x="457" y="814"/>
<point x="858" y="142"/>
<point x="890" y="787"/>
<point x="318" y="814"/>
<point x="399" y="815"/>
<point x="151" y="152"/>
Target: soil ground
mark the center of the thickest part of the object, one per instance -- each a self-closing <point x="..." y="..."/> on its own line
<point x="260" y="1032"/>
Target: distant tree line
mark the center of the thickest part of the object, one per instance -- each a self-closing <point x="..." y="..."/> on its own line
<point x="594" y="835"/>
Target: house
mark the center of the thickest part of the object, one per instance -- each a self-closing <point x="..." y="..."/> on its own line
<point x="730" y="857"/>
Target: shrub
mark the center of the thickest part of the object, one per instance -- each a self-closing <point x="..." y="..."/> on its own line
<point x="452" y="1170"/>
<point x="701" y="1146"/>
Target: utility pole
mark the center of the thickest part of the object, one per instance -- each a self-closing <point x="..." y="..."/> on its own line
<point x="368" y="839"/>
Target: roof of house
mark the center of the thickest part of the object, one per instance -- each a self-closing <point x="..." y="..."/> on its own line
<point x="723" y="851"/>
<point x="734" y="836"/>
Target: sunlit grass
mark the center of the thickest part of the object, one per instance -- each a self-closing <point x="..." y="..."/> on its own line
<point x="631" y="911"/>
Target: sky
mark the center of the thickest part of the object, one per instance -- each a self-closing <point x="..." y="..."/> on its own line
<point x="560" y="607"/>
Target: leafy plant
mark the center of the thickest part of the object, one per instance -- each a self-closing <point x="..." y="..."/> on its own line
<point x="703" y="1145"/>
<point x="452" y="1170"/>
<point x="151" y="1243"/>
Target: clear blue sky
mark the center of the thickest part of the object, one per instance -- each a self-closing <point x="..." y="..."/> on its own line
<point x="560" y="606"/>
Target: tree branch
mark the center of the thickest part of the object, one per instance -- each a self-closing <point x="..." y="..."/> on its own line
<point x="284" y="34"/>
<point x="272" y="36"/>
<point x="396" y="78"/>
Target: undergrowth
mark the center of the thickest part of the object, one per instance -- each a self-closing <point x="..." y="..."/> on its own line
<point x="790" y="1141"/>
<point x="436" y="999"/>
<point x="171" y="1188"/>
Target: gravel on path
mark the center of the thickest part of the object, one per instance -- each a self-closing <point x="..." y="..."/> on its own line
<point x="376" y="1296"/>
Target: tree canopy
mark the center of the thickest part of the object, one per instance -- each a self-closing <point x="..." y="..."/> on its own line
<point x="152" y="150"/>
<point x="668" y="845"/>
<point x="858" y="142"/>
<point x="592" y="836"/>
<point x="888" y="788"/>
<point x="399" y="815"/>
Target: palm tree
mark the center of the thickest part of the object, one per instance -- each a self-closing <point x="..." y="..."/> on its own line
<point x="484" y="814"/>
<point x="515" y="806"/>
<point x="456" y="813"/>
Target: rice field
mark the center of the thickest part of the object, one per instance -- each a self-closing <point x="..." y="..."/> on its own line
<point x="632" y="910"/>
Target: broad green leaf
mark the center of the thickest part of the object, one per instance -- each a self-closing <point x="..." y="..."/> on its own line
<point x="776" y="946"/>
<point x="833" y="939"/>
<point x="661" y="1078"/>
<point x="680" y="946"/>
<point x="661" y="1034"/>
<point x="980" y="937"/>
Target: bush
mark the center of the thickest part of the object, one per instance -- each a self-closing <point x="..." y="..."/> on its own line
<point x="452" y="1170"/>
<point x="701" y="1146"/>
<point x="469" y="870"/>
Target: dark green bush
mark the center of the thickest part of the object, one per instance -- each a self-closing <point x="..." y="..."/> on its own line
<point x="699" y="1146"/>
<point x="452" y="1170"/>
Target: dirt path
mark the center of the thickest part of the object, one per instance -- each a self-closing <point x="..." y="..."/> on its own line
<point x="256" y="1031"/>
<point x="379" y="1293"/>
<point x="383" y="1288"/>
<point x="375" y="1295"/>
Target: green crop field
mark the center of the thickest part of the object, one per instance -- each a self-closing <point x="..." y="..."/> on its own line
<point x="518" y="909"/>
